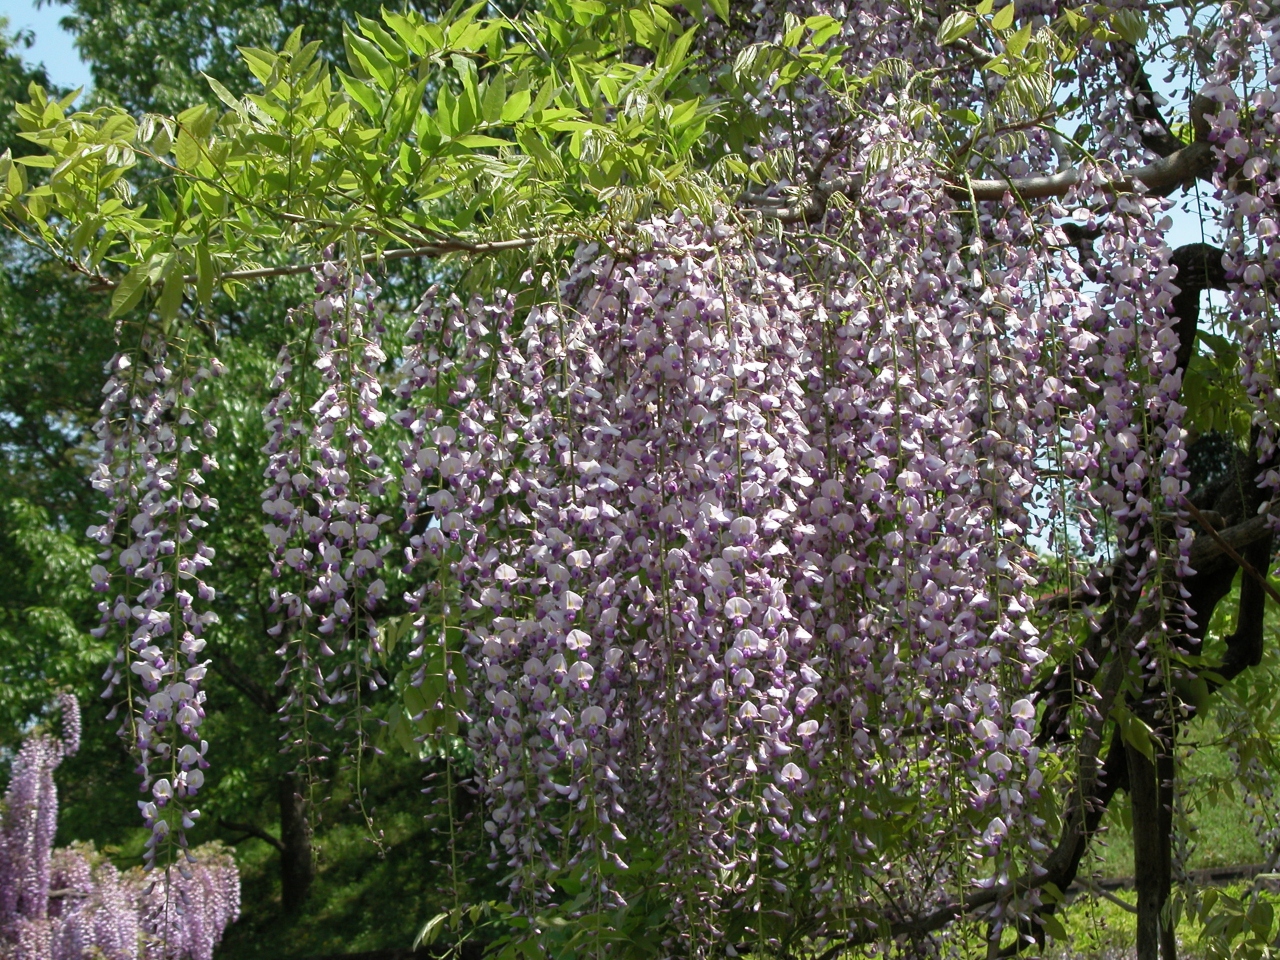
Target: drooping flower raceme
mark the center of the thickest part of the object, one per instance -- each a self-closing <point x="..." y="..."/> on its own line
<point x="73" y="904"/>
<point x="324" y="481"/>
<point x="721" y="571"/>
<point x="152" y="569"/>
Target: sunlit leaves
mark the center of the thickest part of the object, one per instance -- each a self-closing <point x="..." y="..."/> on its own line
<point x="450" y="132"/>
<point x="959" y="24"/>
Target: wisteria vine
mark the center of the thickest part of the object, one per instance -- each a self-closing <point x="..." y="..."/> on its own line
<point x="324" y="484"/>
<point x="801" y="563"/>
<point x="153" y="558"/>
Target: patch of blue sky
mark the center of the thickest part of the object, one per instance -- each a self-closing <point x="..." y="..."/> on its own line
<point x="50" y="44"/>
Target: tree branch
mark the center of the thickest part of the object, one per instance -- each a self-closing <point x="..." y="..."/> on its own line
<point x="251" y="831"/>
<point x="102" y="284"/>
<point x="1164" y="142"/>
<point x="1204" y="550"/>
<point x="1161" y="177"/>
<point x="1231" y="552"/>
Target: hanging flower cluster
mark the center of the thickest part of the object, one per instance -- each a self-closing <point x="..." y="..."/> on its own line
<point x="745" y="556"/>
<point x="153" y="562"/>
<point x="744" y="530"/>
<point x="738" y="557"/>
<point x="186" y="915"/>
<point x="70" y="903"/>
<point x="1247" y="177"/>
<point x="324" y="480"/>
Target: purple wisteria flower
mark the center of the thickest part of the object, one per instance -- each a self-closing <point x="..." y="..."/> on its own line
<point x="324" y="483"/>
<point x="73" y="904"/>
<point x="152" y="570"/>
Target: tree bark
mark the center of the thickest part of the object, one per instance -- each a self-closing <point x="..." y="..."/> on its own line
<point x="1144" y="803"/>
<point x="1165" y="774"/>
<point x="297" y="866"/>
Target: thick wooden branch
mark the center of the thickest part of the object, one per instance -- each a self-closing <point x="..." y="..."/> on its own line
<point x="252" y="831"/>
<point x="1206" y="549"/>
<point x="1199" y="268"/>
<point x="1162" y="141"/>
<point x="1180" y="167"/>
<point x="1260" y="581"/>
<point x="1161" y="177"/>
<point x="1144" y="801"/>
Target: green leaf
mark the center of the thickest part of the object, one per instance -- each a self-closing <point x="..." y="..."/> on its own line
<point x="647" y="32"/>
<point x="161" y="143"/>
<point x="1018" y="42"/>
<point x="406" y="29"/>
<point x="582" y="86"/>
<point x="221" y="92"/>
<point x="446" y="111"/>
<point x="1075" y="19"/>
<point x="721" y="9"/>
<point x="1207" y="903"/>
<point x="390" y="47"/>
<point x="171" y="295"/>
<point x="1004" y="19"/>
<point x="481" y="140"/>
<point x="261" y="63"/>
<point x="206" y="274"/>
<point x="495" y="98"/>
<point x="1135" y="732"/>
<point x="956" y="26"/>
<point x="1053" y="926"/>
<point x="362" y="94"/>
<point x="465" y="68"/>
<point x="293" y="42"/>
<point x="966" y="116"/>
<point x="199" y="119"/>
<point x="1130" y="24"/>
<point x="366" y="60"/>
<point x="430" y="930"/>
<point x="984" y="7"/>
<point x="517" y="106"/>
<point x="186" y="151"/>
<point x="130" y="290"/>
<point x="1260" y="916"/>
<point x="823" y="28"/>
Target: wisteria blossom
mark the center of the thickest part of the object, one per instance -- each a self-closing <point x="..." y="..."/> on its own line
<point x="73" y="904"/>
<point x="152" y="570"/>
<point x="808" y="549"/>
<point x="321" y="506"/>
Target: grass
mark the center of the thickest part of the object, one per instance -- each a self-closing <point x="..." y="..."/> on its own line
<point x="1101" y="930"/>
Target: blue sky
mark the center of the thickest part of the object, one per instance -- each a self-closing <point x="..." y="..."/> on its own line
<point x="53" y="46"/>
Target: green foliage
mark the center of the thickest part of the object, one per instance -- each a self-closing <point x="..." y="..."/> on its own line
<point x="15" y="77"/>
<point x="149" y="56"/>
<point x="444" y="135"/>
<point x="42" y="647"/>
<point x="1211" y="388"/>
